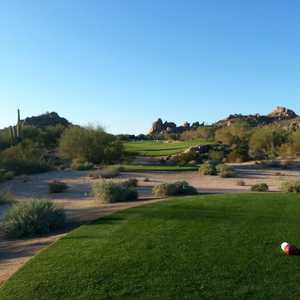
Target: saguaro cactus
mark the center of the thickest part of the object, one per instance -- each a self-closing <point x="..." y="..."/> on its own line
<point x="16" y="131"/>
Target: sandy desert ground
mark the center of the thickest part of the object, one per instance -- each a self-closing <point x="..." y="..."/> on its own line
<point x="81" y="207"/>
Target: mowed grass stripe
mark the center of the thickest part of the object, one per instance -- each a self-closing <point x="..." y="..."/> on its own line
<point x="159" y="148"/>
<point x="202" y="247"/>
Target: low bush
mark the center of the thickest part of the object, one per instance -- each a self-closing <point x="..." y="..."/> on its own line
<point x="81" y="166"/>
<point x="95" y="175"/>
<point x="291" y="187"/>
<point x="174" y="189"/>
<point x="240" y="183"/>
<point x="109" y="191"/>
<point x="29" y="218"/>
<point x="208" y="169"/>
<point x="6" y="175"/>
<point x="132" y="182"/>
<point x="225" y="171"/>
<point x="260" y="187"/>
<point x="57" y="186"/>
<point x="110" y="172"/>
<point x="27" y="167"/>
<point x="6" y="198"/>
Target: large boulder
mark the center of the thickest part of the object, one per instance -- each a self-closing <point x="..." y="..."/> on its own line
<point x="282" y="113"/>
<point x="157" y="127"/>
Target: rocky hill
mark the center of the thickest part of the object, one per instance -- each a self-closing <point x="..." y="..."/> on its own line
<point x="277" y="115"/>
<point x="47" y="119"/>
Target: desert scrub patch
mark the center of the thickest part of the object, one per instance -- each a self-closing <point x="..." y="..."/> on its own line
<point x="78" y="165"/>
<point x="174" y="189"/>
<point x="6" y="198"/>
<point x="57" y="186"/>
<point x="110" y="172"/>
<point x="291" y="187"/>
<point x="225" y="171"/>
<point x="6" y="175"/>
<point x="33" y="217"/>
<point x="131" y="182"/>
<point x="108" y="191"/>
<point x="208" y="168"/>
<point x="240" y="183"/>
<point x="260" y="187"/>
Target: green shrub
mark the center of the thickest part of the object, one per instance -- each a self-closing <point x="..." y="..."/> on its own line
<point x="95" y="175"/>
<point x="208" y="169"/>
<point x="6" y="198"/>
<point x="132" y="182"/>
<point x="110" y="172"/>
<point x="24" y="158"/>
<point x="225" y="171"/>
<point x="89" y="144"/>
<point x="6" y="175"/>
<point x="29" y="218"/>
<point x="241" y="183"/>
<point x="291" y="187"/>
<point x="174" y="189"/>
<point x="81" y="166"/>
<point x="260" y="187"/>
<point x="57" y="186"/>
<point x="109" y="191"/>
<point x="216" y="156"/>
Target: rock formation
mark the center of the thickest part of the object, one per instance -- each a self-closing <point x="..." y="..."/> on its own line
<point x="47" y="119"/>
<point x="278" y="114"/>
<point x="160" y="127"/>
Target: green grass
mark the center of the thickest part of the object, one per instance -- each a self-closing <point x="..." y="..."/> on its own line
<point x="202" y="247"/>
<point x="159" y="148"/>
<point x="149" y="168"/>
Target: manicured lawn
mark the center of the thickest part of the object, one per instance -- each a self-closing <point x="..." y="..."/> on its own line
<point x="202" y="247"/>
<point x="159" y="148"/>
<point x="149" y="168"/>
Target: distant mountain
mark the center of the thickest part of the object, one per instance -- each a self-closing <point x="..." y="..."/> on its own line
<point x="279" y="114"/>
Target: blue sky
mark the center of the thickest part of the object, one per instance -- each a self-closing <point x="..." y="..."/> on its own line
<point x="124" y="63"/>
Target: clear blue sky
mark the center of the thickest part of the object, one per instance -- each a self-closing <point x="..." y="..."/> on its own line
<point x="124" y="63"/>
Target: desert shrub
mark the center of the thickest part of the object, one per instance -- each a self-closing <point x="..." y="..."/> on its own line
<point x="278" y="174"/>
<point x="89" y="144"/>
<point x="131" y="182"/>
<point x="205" y="132"/>
<point x="174" y="189"/>
<point x="287" y="163"/>
<point x="260" y="187"/>
<point x="95" y="175"/>
<point x="29" y="218"/>
<point x="185" y="157"/>
<point x="109" y="191"/>
<point x="241" y="183"/>
<point x="81" y="166"/>
<point x="216" y="156"/>
<point x="147" y="179"/>
<point x="291" y="187"/>
<point x="225" y="171"/>
<point x="110" y="172"/>
<point x="24" y="158"/>
<point x="266" y="141"/>
<point x="6" y="198"/>
<point x="208" y="169"/>
<point x="57" y="186"/>
<point x="6" y="175"/>
<point x="239" y="152"/>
